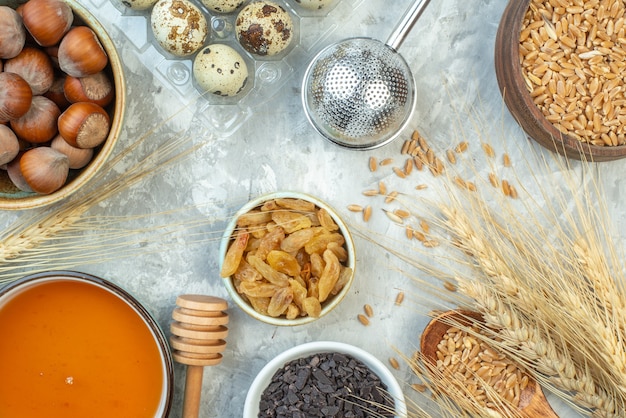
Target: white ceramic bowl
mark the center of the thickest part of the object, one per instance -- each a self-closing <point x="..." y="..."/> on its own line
<point x="262" y="380"/>
<point x="327" y="305"/>
<point x="78" y="335"/>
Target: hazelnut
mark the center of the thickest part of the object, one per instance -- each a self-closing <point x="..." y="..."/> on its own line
<point x="81" y="53"/>
<point x="44" y="169"/>
<point x="78" y="157"/>
<point x="35" y="67"/>
<point x="84" y="125"/>
<point x="39" y="124"/>
<point x="9" y="145"/>
<point x="15" y="96"/>
<point x="12" y="32"/>
<point x="47" y="20"/>
<point x="96" y="88"/>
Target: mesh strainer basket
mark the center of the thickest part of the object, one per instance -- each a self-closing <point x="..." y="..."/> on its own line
<point x="360" y="92"/>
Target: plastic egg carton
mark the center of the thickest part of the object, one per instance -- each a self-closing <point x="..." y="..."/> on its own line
<point x="267" y="74"/>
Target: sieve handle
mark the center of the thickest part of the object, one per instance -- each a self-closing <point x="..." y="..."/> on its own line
<point x="406" y="24"/>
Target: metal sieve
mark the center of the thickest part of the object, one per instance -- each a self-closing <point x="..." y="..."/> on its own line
<point x="360" y="92"/>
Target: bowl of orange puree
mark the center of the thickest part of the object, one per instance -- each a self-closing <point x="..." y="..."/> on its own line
<point x="75" y="345"/>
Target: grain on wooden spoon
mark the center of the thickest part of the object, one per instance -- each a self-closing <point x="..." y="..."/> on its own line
<point x="438" y="339"/>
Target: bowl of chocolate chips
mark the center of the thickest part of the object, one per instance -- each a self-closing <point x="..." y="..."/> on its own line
<point x="324" y="379"/>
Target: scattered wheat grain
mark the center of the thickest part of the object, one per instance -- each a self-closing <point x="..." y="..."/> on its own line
<point x="363" y="319"/>
<point x="372" y="164"/>
<point x="461" y="147"/>
<point x="386" y="161"/>
<point x="393" y="217"/>
<point x="391" y="197"/>
<point x="398" y="172"/>
<point x="355" y="208"/>
<point x="399" y="298"/>
<point x="420" y="236"/>
<point x="408" y="167"/>
<point x="419" y="164"/>
<point x="451" y="156"/>
<point x="369" y="311"/>
<point x="367" y="213"/>
<point x="382" y="188"/>
<point x="506" y="188"/>
<point x="450" y="286"/>
<point x="493" y="179"/>
<point x="488" y="150"/>
<point x="423" y="144"/>
<point x="506" y="160"/>
<point x="405" y="147"/>
<point x="402" y="213"/>
<point x="394" y="363"/>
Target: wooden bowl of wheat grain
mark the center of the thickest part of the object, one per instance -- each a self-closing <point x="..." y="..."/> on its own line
<point x="561" y="72"/>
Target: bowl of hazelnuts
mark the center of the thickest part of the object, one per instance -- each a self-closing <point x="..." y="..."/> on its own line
<point x="62" y="100"/>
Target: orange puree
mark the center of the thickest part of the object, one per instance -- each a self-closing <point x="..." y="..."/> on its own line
<point x="72" y="349"/>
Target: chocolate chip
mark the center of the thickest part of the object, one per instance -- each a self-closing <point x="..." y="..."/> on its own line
<point x="325" y="385"/>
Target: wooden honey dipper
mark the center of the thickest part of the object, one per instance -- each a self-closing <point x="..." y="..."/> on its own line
<point x="197" y="340"/>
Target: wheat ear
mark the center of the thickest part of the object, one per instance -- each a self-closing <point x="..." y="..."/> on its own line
<point x="509" y="304"/>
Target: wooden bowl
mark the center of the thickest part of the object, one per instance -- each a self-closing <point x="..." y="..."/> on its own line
<point x="520" y="103"/>
<point x="11" y="198"/>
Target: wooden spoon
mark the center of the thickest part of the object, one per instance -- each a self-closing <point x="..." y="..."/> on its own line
<point x="533" y="402"/>
<point x="197" y="340"/>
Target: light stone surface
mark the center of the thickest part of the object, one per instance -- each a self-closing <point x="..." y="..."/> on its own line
<point x="265" y="144"/>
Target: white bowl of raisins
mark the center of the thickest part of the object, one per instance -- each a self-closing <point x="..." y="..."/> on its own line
<point x="287" y="258"/>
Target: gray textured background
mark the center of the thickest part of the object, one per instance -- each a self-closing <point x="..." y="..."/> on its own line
<point x="265" y="144"/>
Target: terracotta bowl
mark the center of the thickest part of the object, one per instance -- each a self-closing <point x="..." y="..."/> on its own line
<point x="330" y="303"/>
<point x="11" y="198"/>
<point x="520" y="103"/>
<point x="264" y="377"/>
<point x="82" y="346"/>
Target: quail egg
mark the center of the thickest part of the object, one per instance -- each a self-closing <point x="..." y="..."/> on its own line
<point x="221" y="70"/>
<point x="315" y="4"/>
<point x="264" y="28"/>
<point x="179" y="26"/>
<point x="223" y="6"/>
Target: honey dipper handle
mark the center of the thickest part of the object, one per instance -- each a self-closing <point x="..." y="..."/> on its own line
<point x="193" y="391"/>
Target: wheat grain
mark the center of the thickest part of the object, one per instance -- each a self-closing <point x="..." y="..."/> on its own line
<point x="355" y="208"/>
<point x="399" y="298"/>
<point x="391" y="197"/>
<point x="582" y="68"/>
<point x="367" y="213"/>
<point x="372" y="164"/>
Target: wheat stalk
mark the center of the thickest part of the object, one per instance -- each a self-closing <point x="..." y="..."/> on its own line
<point x="40" y="240"/>
<point x="544" y="269"/>
<point x="516" y="301"/>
